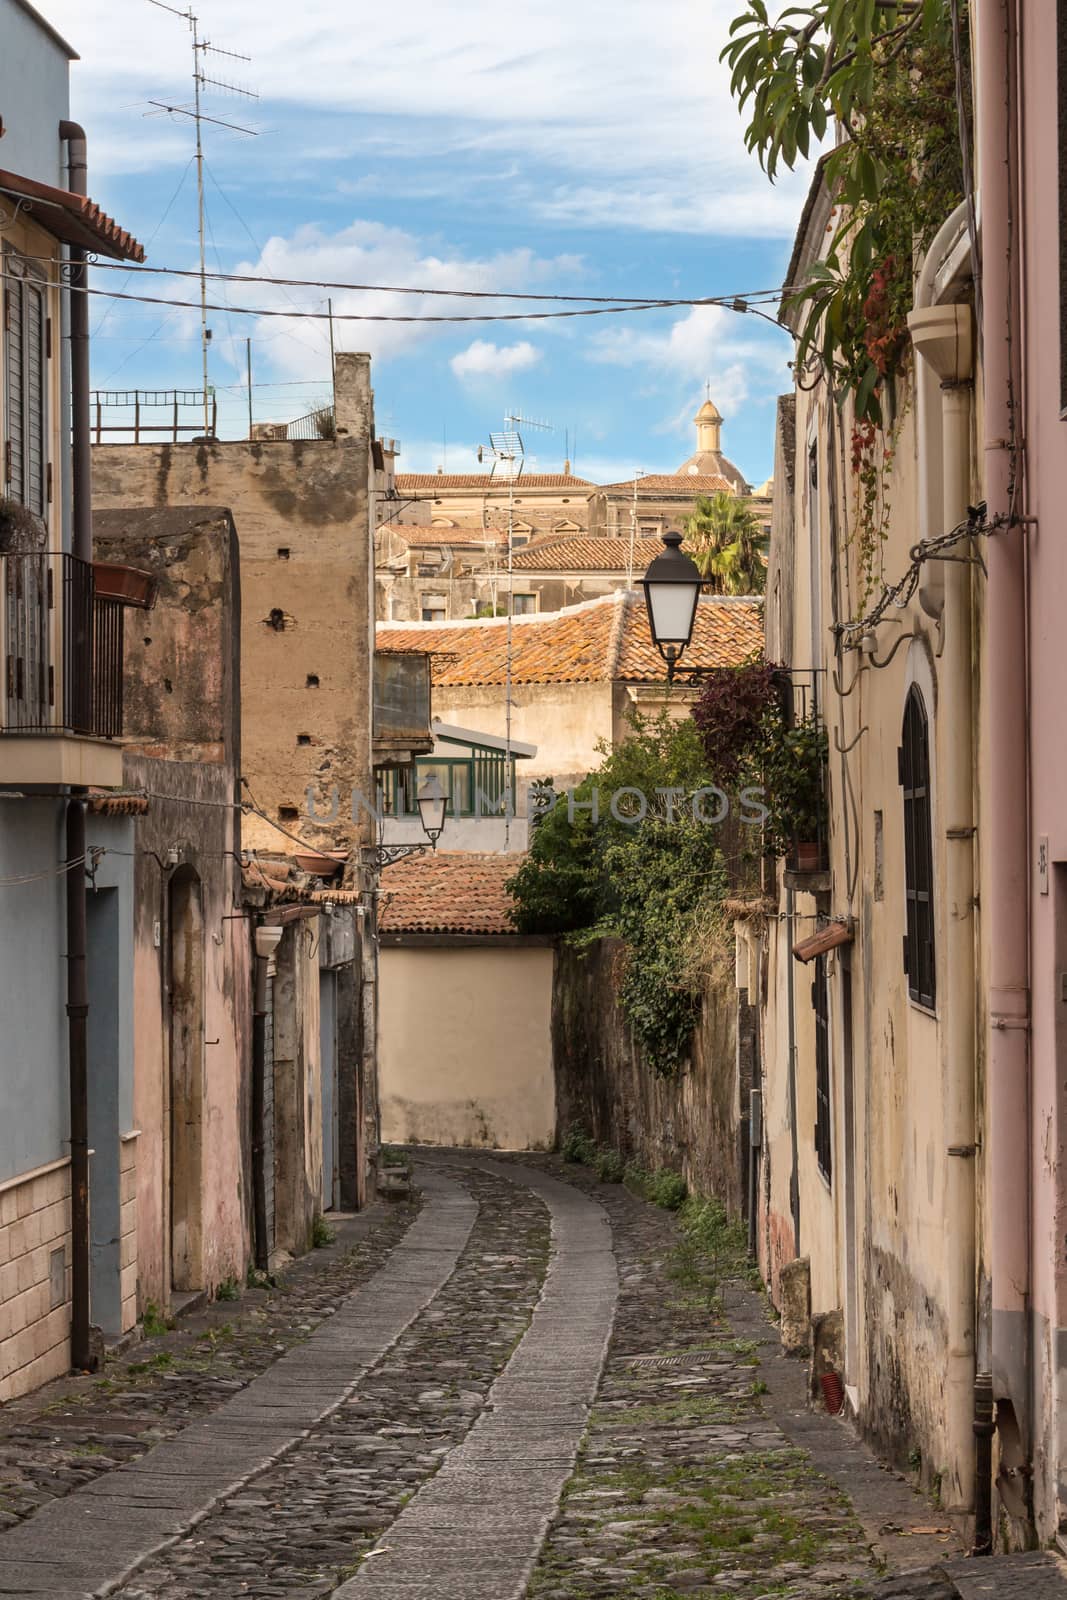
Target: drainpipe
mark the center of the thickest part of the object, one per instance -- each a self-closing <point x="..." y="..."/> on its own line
<point x="81" y="1355"/>
<point x="77" y="166"/>
<point x="1004" y="730"/>
<point x="942" y="336"/>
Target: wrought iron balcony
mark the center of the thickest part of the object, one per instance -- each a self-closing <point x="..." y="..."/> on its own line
<point x="61" y="643"/>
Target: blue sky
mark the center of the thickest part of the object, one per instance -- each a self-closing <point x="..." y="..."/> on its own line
<point x="574" y="146"/>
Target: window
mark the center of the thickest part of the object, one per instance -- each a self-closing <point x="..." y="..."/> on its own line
<point x="476" y="784"/>
<point x="434" y="608"/>
<point x="820" y="999"/>
<point x="25" y="385"/>
<point x="524" y="604"/>
<point x="520" y="538"/>
<point x="913" y="760"/>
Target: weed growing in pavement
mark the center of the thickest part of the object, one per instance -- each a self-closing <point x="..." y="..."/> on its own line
<point x="228" y="1289"/>
<point x="321" y="1233"/>
<point x="154" y="1322"/>
<point x="255" y="1279"/>
<point x="392" y="1158"/>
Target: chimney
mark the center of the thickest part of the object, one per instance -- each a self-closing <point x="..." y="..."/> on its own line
<point x="353" y="397"/>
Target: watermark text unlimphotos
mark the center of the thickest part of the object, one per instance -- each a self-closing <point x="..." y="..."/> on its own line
<point x="630" y="806"/>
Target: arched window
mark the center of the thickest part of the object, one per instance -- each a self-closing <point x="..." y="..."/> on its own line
<point x="914" y="760"/>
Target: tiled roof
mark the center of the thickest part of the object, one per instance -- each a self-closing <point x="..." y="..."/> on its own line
<point x="601" y="641"/>
<point x="416" y="536"/>
<point x="448" y="892"/>
<point x="574" y="553"/>
<point x="661" y="483"/>
<point x="482" y="480"/>
<point x="74" y="218"/>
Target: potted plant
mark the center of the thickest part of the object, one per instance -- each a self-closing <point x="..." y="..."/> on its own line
<point x="792" y="763"/>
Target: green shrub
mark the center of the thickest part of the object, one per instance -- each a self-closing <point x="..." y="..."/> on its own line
<point x="667" y="1189"/>
<point x="609" y="1166"/>
<point x="577" y="1146"/>
<point x="228" y="1289"/>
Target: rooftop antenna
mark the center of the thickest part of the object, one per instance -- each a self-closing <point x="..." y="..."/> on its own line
<point x="509" y="454"/>
<point x="633" y="531"/>
<point x="202" y="83"/>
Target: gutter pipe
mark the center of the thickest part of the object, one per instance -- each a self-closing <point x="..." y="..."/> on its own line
<point x="1004" y="734"/>
<point x="81" y="1352"/>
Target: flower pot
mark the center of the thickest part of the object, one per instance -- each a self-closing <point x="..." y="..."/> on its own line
<point x="808" y="857"/>
<point x="320" y="863"/>
<point x="127" y="584"/>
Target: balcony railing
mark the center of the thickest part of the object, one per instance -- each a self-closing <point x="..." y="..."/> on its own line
<point x="62" y="645"/>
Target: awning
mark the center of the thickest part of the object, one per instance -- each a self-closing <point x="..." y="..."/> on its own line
<point x="73" y="218"/>
<point x="828" y="938"/>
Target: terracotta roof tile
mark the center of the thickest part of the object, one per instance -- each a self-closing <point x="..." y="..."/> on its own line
<point x="482" y="480"/>
<point x="684" y="484"/>
<point x="74" y="218"/>
<point x="600" y="641"/>
<point x="573" y="553"/>
<point x="416" y="536"/>
<point x="448" y="892"/>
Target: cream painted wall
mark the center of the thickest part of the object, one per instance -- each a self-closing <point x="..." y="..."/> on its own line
<point x="465" y="1046"/>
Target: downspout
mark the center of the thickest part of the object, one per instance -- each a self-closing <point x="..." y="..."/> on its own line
<point x="74" y="135"/>
<point x="81" y="1355"/>
<point x="942" y="336"/>
<point x="1004" y="731"/>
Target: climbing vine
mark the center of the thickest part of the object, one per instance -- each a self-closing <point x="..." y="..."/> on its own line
<point x="887" y="73"/>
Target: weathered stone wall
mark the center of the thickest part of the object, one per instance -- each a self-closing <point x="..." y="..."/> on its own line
<point x="302" y="511"/>
<point x="690" y="1122"/>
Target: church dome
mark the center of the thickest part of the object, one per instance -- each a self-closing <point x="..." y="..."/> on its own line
<point x="709" y="460"/>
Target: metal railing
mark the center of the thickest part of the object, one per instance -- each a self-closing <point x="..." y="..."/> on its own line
<point x="320" y="424"/>
<point x="62" y="648"/>
<point x="802" y="693"/>
<point x="173" y="406"/>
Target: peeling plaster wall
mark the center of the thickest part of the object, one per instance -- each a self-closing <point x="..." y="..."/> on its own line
<point x="184" y="750"/>
<point x="312" y="499"/>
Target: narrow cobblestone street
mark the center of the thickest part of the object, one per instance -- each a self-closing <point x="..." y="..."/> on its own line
<point x="509" y="1388"/>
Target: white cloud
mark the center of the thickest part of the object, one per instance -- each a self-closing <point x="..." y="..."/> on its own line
<point x="630" y="114"/>
<point x="372" y="253"/>
<point x="483" y="359"/>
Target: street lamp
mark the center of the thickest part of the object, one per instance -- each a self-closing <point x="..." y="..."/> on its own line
<point x="672" y="585"/>
<point x="432" y="804"/>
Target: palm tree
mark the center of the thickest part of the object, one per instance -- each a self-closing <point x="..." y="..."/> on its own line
<point x="725" y="539"/>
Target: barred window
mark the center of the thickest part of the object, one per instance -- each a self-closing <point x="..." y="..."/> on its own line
<point x="914" y="763"/>
<point x="820" y="999"/>
<point x="25" y="353"/>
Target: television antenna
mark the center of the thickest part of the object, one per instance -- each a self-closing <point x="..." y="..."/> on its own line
<point x="203" y="84"/>
<point x="509" y="454"/>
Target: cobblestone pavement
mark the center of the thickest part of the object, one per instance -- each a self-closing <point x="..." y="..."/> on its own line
<point x="404" y="1416"/>
<point x="67" y="1434"/>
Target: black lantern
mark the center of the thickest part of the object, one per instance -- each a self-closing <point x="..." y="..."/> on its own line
<point x="672" y="586"/>
<point x="432" y="804"/>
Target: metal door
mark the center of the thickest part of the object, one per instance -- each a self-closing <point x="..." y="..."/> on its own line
<point x="268" y="1115"/>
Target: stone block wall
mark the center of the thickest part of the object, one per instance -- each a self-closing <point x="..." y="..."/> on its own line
<point x="34" y="1279"/>
<point x="690" y="1122"/>
<point x="128" y="1229"/>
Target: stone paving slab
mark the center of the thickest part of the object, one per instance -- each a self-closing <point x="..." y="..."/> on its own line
<point x="562" y="1351"/>
<point x="249" y="1431"/>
